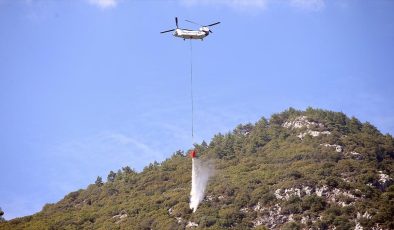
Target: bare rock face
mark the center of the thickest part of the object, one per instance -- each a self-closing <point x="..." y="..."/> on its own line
<point x="384" y="180"/>
<point x="120" y="217"/>
<point x="354" y="155"/>
<point x="271" y="216"/>
<point x="301" y="122"/>
<point x="313" y="133"/>
<point x="338" y="148"/>
<point x="179" y="220"/>
<point x="191" y="225"/>
<point x="312" y="128"/>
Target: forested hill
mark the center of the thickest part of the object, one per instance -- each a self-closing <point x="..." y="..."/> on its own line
<point x="312" y="169"/>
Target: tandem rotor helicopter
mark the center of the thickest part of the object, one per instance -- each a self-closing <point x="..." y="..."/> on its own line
<point x="191" y="34"/>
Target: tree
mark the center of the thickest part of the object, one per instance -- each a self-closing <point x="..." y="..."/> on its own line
<point x="204" y="145"/>
<point x="99" y="181"/>
<point x="259" y="136"/>
<point x="128" y="170"/>
<point x="1" y="215"/>
<point x="354" y="125"/>
<point x="119" y="175"/>
<point x="111" y="176"/>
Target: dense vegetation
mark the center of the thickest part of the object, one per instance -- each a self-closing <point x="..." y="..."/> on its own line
<point x="328" y="171"/>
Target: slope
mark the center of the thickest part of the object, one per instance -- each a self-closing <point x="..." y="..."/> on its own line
<point x="299" y="169"/>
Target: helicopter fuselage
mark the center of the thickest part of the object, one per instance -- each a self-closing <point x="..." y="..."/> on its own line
<point x="192" y="34"/>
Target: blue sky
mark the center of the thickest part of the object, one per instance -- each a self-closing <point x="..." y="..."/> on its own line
<point x="89" y="86"/>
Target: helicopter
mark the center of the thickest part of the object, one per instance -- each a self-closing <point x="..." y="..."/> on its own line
<point x="191" y="34"/>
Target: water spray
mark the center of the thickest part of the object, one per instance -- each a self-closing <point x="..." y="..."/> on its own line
<point x="201" y="172"/>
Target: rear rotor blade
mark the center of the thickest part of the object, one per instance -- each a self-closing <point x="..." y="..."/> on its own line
<point x="167" y="31"/>
<point x="176" y="22"/>
<point x="213" y="24"/>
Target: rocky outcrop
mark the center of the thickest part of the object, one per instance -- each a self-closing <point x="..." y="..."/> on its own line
<point x="384" y="180"/>
<point x="270" y="217"/>
<point x="338" y="148"/>
<point x="354" y="155"/>
<point x="191" y="225"/>
<point x="301" y="122"/>
<point x="312" y="128"/>
<point x="120" y="217"/>
<point x="274" y="216"/>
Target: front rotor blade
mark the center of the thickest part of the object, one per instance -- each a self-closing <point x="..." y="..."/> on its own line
<point x="214" y="24"/>
<point x="176" y="22"/>
<point x="193" y="22"/>
<point x="167" y="31"/>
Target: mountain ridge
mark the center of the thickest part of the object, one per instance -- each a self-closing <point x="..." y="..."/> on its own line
<point x="312" y="169"/>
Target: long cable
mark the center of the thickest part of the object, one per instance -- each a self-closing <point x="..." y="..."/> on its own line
<point x="191" y="87"/>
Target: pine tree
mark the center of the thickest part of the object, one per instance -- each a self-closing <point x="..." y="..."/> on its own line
<point x="1" y="215"/>
<point x="99" y="181"/>
<point x="111" y="176"/>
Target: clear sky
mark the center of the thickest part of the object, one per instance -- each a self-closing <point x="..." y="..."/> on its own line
<point x="89" y="86"/>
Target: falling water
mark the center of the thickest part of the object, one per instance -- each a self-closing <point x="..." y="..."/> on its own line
<point x="200" y="174"/>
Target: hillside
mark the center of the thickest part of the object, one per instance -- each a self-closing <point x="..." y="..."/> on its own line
<point x="312" y="169"/>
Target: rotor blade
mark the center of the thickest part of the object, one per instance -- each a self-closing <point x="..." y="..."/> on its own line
<point x="167" y="31"/>
<point x="213" y="24"/>
<point x="176" y="22"/>
<point x="210" y="31"/>
<point x="193" y="22"/>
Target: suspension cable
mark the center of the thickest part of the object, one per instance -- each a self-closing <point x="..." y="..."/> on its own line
<point x="191" y="88"/>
